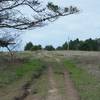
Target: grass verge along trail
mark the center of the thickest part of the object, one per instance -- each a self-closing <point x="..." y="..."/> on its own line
<point x="88" y="86"/>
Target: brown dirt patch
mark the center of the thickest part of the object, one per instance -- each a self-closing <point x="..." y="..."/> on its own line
<point x="71" y="92"/>
<point x="53" y="93"/>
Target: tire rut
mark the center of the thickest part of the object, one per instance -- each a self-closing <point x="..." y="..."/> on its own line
<point x="71" y="92"/>
<point x="53" y="93"/>
<point x="26" y="88"/>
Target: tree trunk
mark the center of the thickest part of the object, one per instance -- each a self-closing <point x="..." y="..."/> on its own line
<point x="11" y="54"/>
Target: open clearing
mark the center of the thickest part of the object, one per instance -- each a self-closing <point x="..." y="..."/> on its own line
<point x="51" y="75"/>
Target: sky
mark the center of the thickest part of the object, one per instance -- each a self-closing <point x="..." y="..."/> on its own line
<point x="83" y="25"/>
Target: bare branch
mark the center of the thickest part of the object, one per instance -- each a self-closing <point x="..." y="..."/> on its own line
<point x="11" y="17"/>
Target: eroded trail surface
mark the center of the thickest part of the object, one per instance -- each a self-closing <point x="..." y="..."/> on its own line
<point x="71" y="92"/>
<point x="53" y="93"/>
<point x="54" y="87"/>
<point x="54" y="84"/>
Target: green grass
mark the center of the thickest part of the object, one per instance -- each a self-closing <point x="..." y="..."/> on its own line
<point x="87" y="85"/>
<point x="14" y="72"/>
<point x="33" y="65"/>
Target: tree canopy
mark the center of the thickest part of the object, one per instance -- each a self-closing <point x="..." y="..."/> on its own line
<point x="12" y="17"/>
<point x="86" y="45"/>
<point x="28" y="46"/>
<point x="49" y="48"/>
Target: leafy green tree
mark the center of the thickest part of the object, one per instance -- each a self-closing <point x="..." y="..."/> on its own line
<point x="65" y="46"/>
<point x="89" y="45"/>
<point x="49" y="48"/>
<point x="59" y="48"/>
<point x="98" y="43"/>
<point x="28" y="46"/>
<point x="36" y="47"/>
<point x="74" y="45"/>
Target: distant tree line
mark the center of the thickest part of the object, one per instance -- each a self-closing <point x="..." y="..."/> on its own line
<point x="86" y="45"/>
<point x="30" y="47"/>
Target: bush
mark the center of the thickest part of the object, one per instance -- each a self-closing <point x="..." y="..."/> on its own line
<point x="49" y="48"/>
<point x="36" y="47"/>
<point x="28" y="46"/>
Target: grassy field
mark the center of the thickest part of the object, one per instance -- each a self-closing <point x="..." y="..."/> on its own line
<point x="83" y="68"/>
<point x="14" y="75"/>
<point x="17" y="71"/>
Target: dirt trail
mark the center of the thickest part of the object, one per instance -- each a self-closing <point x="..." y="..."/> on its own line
<point x="71" y="92"/>
<point x="53" y="93"/>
